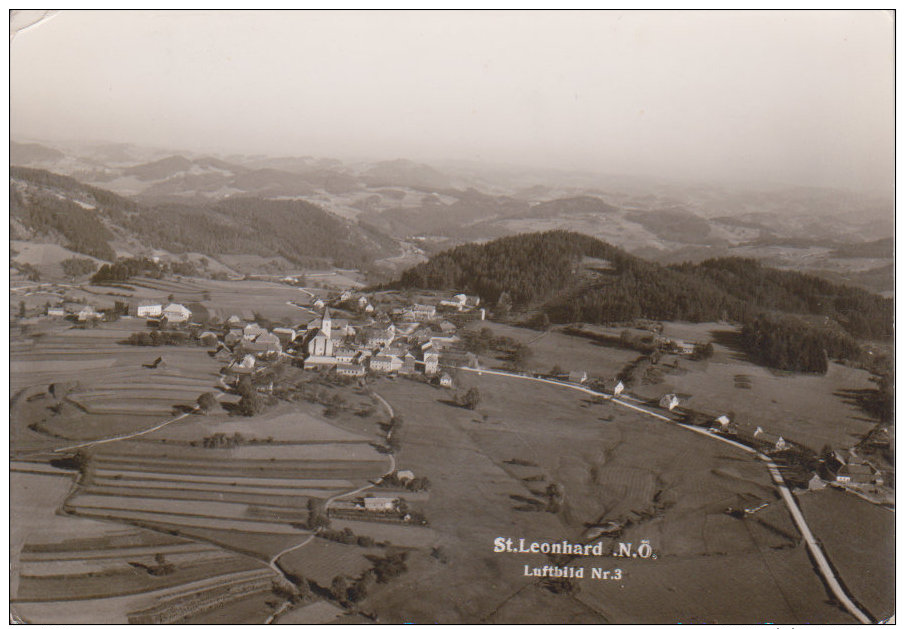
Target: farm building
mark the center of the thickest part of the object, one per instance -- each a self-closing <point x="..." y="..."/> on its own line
<point x="88" y="312"/>
<point x="774" y="441"/>
<point x="232" y="337"/>
<point x="619" y="388"/>
<point x="386" y="363"/>
<point x="405" y="475"/>
<point x="446" y="380"/>
<point x="252" y="331"/>
<point x="319" y="303"/>
<point x="669" y="401"/>
<point x="722" y="424"/>
<point x="245" y="366"/>
<point x="177" y="313"/>
<point x="56" y="311"/>
<point x="855" y="473"/>
<point x="380" y="503"/>
<point x="351" y="370"/>
<point x="208" y="337"/>
<point x="578" y="377"/>
<point x="447" y="327"/>
<point x="286" y="335"/>
<point x="235" y="322"/>
<point x="148" y="309"/>
<point x="263" y="343"/>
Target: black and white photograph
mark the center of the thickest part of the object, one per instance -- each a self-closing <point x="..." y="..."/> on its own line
<point x="452" y="317"/>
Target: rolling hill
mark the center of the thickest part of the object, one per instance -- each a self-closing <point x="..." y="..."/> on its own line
<point x="549" y="273"/>
<point x="95" y="222"/>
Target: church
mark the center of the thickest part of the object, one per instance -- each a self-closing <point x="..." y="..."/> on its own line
<point x="322" y="342"/>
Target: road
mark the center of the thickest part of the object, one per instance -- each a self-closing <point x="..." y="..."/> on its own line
<point x="813" y="545"/>
<point x="274" y="565"/>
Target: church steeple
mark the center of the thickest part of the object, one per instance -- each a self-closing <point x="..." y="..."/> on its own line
<point x="326" y="323"/>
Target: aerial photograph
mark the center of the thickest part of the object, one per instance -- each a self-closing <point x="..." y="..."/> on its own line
<point x="452" y="317"/>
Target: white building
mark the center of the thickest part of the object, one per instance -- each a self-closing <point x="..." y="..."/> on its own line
<point x="619" y="388"/>
<point x="669" y="401"/>
<point x="350" y="370"/>
<point x="380" y="503"/>
<point x="177" y="313"/>
<point x="386" y="363"/>
<point x="446" y="381"/>
<point x="148" y="309"/>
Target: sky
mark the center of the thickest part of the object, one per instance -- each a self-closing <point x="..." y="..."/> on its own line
<point x="805" y="98"/>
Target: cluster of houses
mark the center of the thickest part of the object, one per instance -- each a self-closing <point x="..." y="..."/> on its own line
<point x="172" y="312"/>
<point x="407" y="340"/>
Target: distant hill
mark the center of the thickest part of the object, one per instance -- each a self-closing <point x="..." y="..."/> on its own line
<point x="28" y="153"/>
<point x="544" y="271"/>
<point x="160" y="169"/>
<point x="403" y="172"/>
<point x="882" y="248"/>
<point x="91" y="220"/>
<point x="571" y="205"/>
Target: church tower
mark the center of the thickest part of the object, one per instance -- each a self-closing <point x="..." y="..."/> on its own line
<point x="326" y="323"/>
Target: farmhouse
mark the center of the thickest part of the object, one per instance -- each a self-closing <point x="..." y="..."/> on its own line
<point x="263" y="343"/>
<point x="619" y="388"/>
<point x="855" y="473"/>
<point x="446" y="380"/>
<point x="774" y="441"/>
<point x="252" y="331"/>
<point x="312" y="362"/>
<point x="177" y="313"/>
<point x="232" y="337"/>
<point x="669" y="401"/>
<point x="722" y="424"/>
<point x="56" y="311"/>
<point x="146" y="309"/>
<point x="578" y="377"/>
<point x="88" y="312"/>
<point x="381" y="503"/>
<point x="405" y="475"/>
<point x="235" y="322"/>
<point x="286" y="335"/>
<point x="245" y="366"/>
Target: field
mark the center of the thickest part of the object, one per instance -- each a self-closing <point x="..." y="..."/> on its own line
<point x="659" y="482"/>
<point x="806" y="409"/>
<point x="859" y="538"/>
<point x="552" y="348"/>
<point x="104" y="387"/>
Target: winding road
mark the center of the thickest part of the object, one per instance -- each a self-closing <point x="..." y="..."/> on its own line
<point x="823" y="564"/>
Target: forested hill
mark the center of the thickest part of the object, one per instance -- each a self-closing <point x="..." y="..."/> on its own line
<point x="548" y="271"/>
<point x="92" y="221"/>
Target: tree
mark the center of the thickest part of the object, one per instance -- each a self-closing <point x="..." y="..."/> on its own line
<point x="207" y="402"/>
<point x="250" y="404"/>
<point x="471" y="399"/>
<point x="245" y="385"/>
<point x="76" y="267"/>
<point x="22" y="309"/>
<point x="339" y="588"/>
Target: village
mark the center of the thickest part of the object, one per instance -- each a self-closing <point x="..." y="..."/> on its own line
<point x="353" y="335"/>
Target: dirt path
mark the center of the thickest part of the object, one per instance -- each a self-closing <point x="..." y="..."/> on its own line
<point x="826" y="570"/>
<point x="274" y="565"/>
<point x="139" y="433"/>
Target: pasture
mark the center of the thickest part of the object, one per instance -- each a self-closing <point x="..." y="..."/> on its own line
<point x="859" y="539"/>
<point x="807" y="409"/>
<point x="659" y="482"/>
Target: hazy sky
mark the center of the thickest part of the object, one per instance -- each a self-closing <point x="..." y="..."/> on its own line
<point x="803" y="97"/>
